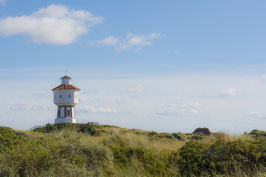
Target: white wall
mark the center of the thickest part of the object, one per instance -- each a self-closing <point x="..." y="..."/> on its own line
<point x="68" y="97"/>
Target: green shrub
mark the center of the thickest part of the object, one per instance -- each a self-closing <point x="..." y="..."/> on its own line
<point x="8" y="138"/>
<point x="83" y="128"/>
<point x="165" y="135"/>
<point x="31" y="157"/>
<point x="197" y="136"/>
<point x="180" y="136"/>
<point x="87" y="128"/>
<point x="161" y="135"/>
<point x="258" y="133"/>
<point x="153" y="164"/>
<point x="220" y="136"/>
<point x="153" y="133"/>
<point x="191" y="158"/>
<point x="98" y="157"/>
<point x="70" y="150"/>
<point x="222" y="157"/>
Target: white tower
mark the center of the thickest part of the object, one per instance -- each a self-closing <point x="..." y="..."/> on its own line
<point x="66" y="97"/>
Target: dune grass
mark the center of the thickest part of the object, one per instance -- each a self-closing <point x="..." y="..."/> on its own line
<point x="90" y="150"/>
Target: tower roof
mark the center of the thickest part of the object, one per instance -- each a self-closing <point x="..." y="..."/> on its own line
<point x="66" y="77"/>
<point x="65" y="87"/>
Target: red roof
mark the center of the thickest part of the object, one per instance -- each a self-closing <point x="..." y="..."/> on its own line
<point x="66" y="87"/>
<point x="204" y="130"/>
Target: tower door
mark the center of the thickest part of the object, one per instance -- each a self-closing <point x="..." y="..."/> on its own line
<point x="68" y="111"/>
<point x="62" y="111"/>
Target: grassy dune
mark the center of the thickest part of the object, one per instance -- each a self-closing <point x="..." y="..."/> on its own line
<point x="90" y="150"/>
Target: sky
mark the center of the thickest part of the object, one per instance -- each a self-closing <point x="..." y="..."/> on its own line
<point x="167" y="66"/>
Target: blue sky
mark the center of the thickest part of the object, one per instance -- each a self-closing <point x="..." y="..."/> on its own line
<point x="178" y="64"/>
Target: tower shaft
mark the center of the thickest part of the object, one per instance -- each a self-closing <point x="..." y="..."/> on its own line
<point x="65" y="114"/>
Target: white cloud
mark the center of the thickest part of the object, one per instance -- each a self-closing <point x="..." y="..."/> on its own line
<point x="55" y="24"/>
<point x="137" y="40"/>
<point x="18" y="107"/>
<point x="254" y="114"/>
<point x="92" y="109"/>
<point x="2" y="2"/>
<point x="229" y="93"/>
<point x="179" y="109"/>
<point x="110" y="41"/>
<point x="129" y="42"/>
<point x="137" y="89"/>
<point x="179" y="102"/>
<point x="154" y="35"/>
<point x="259" y="115"/>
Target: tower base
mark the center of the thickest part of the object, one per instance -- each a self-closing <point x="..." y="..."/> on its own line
<point x="65" y="120"/>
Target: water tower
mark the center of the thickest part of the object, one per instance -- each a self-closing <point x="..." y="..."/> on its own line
<point x="66" y="97"/>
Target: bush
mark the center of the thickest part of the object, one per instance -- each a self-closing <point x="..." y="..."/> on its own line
<point x="165" y="135"/>
<point x="197" y="136"/>
<point x="8" y="138"/>
<point x="180" y="136"/>
<point x="83" y="128"/>
<point x="153" y="133"/>
<point x="98" y="157"/>
<point x="161" y="135"/>
<point x="31" y="157"/>
<point x="191" y="158"/>
<point x="221" y="136"/>
<point x="258" y="133"/>
<point x="70" y="150"/>
<point x="222" y="157"/>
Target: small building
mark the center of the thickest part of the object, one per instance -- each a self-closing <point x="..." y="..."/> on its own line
<point x="66" y="97"/>
<point x="204" y="130"/>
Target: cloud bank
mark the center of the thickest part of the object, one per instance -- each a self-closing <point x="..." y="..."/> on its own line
<point x="55" y="24"/>
<point x="168" y="103"/>
<point x="229" y="93"/>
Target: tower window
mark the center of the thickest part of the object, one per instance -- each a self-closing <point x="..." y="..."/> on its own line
<point x="58" y="112"/>
<point x="60" y="96"/>
<point x="69" y="95"/>
<point x="68" y="112"/>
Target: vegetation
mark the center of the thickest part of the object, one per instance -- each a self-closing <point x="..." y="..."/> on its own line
<point x="91" y="150"/>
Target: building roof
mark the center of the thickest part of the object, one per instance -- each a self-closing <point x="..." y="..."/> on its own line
<point x="66" y="77"/>
<point x="204" y="130"/>
<point x="65" y="87"/>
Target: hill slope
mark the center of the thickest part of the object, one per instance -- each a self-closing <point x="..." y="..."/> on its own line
<point x="90" y="150"/>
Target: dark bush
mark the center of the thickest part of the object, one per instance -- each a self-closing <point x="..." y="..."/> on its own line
<point x="197" y="136"/>
<point x="165" y="135"/>
<point x="83" y="128"/>
<point x="258" y="133"/>
<point x="153" y="133"/>
<point x="180" y="136"/>
<point x="161" y="135"/>
<point x="87" y="128"/>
